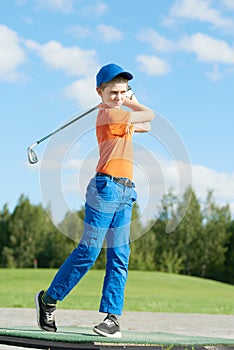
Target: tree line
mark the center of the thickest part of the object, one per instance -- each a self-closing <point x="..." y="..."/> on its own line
<point x="201" y="245"/>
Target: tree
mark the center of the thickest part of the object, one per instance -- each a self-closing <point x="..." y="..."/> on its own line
<point x="216" y="220"/>
<point x="189" y="235"/>
<point x="56" y="247"/>
<point x="28" y="227"/>
<point x="166" y="253"/>
<point x="72" y="225"/>
<point x="4" y="234"/>
<point x="201" y="245"/>
<point x="229" y="261"/>
<point x="141" y="249"/>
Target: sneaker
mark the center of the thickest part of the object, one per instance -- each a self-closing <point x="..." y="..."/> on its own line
<point x="45" y="314"/>
<point x="109" y="327"/>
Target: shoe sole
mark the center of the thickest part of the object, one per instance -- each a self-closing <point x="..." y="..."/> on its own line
<point x="108" y="335"/>
<point x="38" y="309"/>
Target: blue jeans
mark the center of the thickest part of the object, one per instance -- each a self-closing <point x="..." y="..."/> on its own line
<point x="108" y="212"/>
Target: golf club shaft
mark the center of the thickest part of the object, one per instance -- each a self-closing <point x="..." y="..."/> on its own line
<point x="65" y="125"/>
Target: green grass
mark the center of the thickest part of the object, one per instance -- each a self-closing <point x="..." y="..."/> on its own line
<point x="146" y="291"/>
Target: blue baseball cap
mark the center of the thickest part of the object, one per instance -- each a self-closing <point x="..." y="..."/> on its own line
<point x="109" y="72"/>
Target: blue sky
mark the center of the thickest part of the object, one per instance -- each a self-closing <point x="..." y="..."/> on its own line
<point x="181" y="53"/>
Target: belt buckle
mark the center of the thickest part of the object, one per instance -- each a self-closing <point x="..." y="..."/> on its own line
<point x="125" y="182"/>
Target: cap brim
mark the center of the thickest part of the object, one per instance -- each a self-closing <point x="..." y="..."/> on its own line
<point x="126" y="75"/>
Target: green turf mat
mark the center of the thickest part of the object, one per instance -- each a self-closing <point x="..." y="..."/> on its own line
<point x="85" y="335"/>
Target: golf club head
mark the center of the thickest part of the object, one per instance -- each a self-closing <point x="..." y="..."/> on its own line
<point x="32" y="157"/>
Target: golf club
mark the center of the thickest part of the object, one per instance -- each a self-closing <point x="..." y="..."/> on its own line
<point x="32" y="157"/>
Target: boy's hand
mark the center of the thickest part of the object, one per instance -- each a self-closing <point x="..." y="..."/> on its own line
<point x="131" y="99"/>
<point x="129" y="94"/>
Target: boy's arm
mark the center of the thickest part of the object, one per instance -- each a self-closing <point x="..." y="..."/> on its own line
<point x="141" y="116"/>
<point x="142" y="127"/>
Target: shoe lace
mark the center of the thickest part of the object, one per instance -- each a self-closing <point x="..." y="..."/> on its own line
<point x="109" y="322"/>
<point x="49" y="316"/>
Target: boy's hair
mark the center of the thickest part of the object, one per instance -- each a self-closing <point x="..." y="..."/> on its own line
<point x="116" y="80"/>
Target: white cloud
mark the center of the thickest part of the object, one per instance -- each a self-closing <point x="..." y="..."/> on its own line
<point x="98" y="9"/>
<point x="208" y="49"/>
<point x="200" y="10"/>
<point x="64" y="6"/>
<point x="215" y="74"/>
<point x="156" y="40"/>
<point x="221" y="183"/>
<point x="203" y="180"/>
<point x="109" y="33"/>
<point x="229" y="4"/>
<point x="152" y="65"/>
<point x="83" y="92"/>
<point x="205" y="47"/>
<point x="11" y="54"/>
<point x="105" y="33"/>
<point x="68" y="6"/>
<point x="72" y="60"/>
<point x="79" y="31"/>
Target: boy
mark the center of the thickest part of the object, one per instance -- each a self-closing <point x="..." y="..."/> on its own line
<point x="108" y="208"/>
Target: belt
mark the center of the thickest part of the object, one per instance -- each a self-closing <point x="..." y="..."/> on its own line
<point x="119" y="180"/>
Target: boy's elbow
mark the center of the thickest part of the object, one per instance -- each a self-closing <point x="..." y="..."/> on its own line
<point x="148" y="126"/>
<point x="152" y="115"/>
<point x="143" y="127"/>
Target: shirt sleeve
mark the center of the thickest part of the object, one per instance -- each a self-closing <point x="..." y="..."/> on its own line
<point x="119" y="121"/>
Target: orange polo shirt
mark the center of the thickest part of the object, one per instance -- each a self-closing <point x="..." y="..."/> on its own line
<point x="114" y="135"/>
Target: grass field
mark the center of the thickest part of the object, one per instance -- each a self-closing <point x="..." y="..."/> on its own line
<point x="146" y="291"/>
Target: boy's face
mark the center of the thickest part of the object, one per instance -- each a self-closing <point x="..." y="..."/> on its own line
<point x="113" y="94"/>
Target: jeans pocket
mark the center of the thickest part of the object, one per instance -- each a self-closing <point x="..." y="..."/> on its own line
<point x="106" y="189"/>
<point x="101" y="183"/>
<point x="102" y="194"/>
